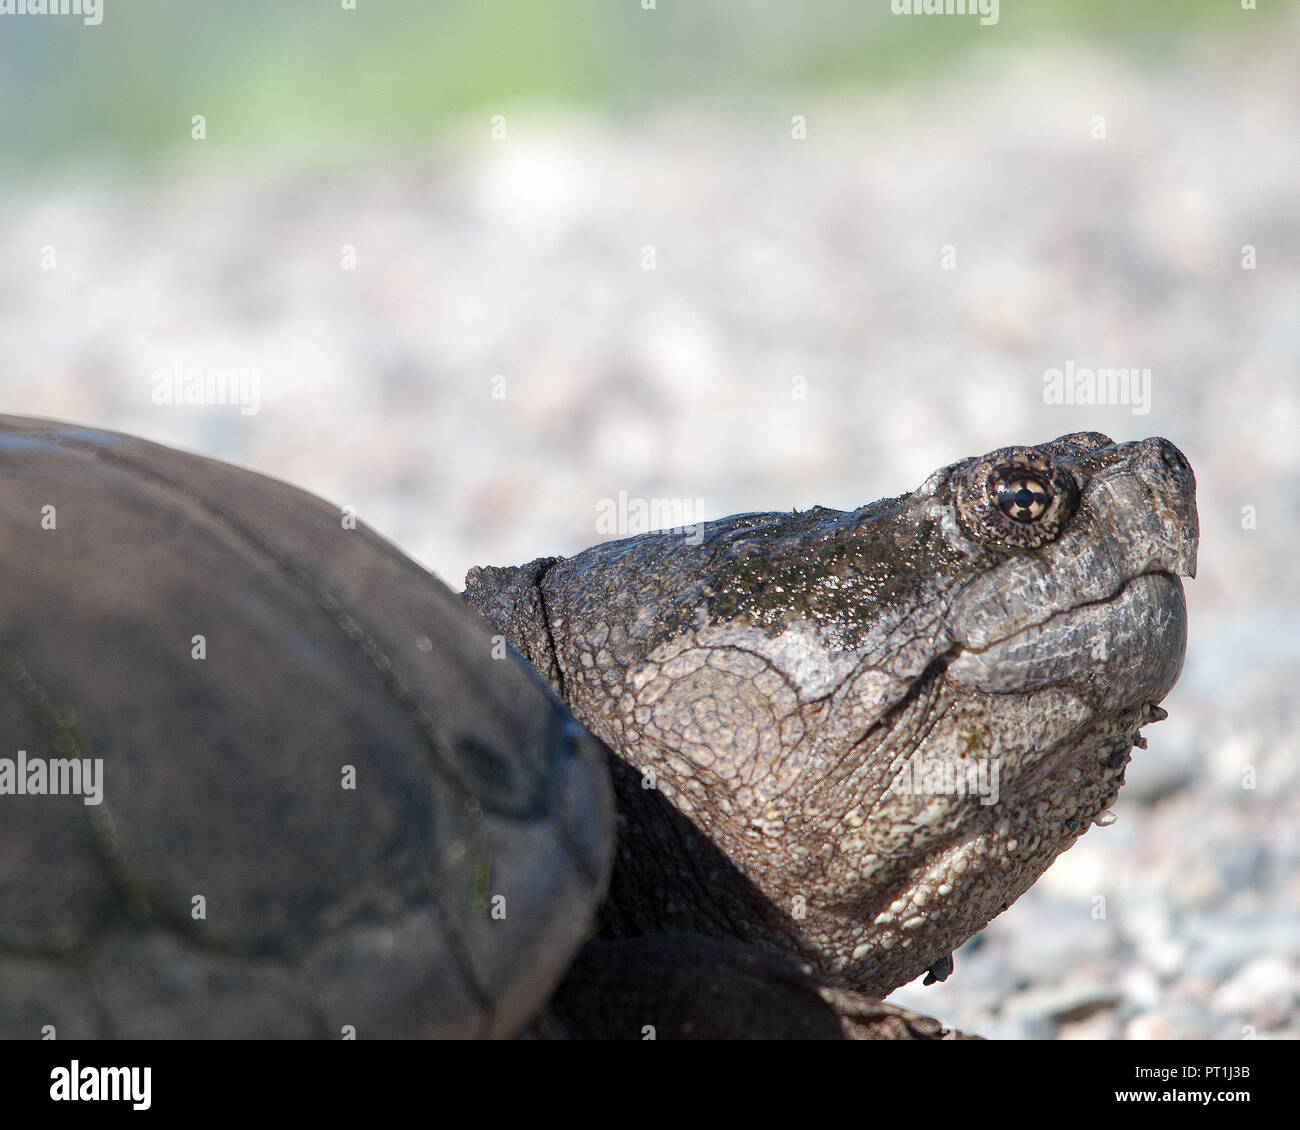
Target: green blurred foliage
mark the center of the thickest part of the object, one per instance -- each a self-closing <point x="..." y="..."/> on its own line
<point x="308" y="75"/>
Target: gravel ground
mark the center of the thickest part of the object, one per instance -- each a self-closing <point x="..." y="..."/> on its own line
<point x="781" y="266"/>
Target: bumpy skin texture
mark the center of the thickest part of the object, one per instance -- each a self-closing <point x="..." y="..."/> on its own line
<point x="794" y="688"/>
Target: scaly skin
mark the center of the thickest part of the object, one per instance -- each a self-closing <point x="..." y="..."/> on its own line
<point x="782" y="695"/>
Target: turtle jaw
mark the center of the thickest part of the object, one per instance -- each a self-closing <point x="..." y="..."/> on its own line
<point x="1117" y="652"/>
<point x="1054" y="722"/>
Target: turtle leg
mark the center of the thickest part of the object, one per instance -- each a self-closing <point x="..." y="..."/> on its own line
<point x="688" y="986"/>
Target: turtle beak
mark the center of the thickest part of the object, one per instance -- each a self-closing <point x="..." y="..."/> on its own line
<point x="1168" y="475"/>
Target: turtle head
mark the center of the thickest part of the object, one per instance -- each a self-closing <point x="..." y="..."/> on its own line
<point x="890" y="720"/>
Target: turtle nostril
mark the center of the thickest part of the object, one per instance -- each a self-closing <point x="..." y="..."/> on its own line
<point x="1174" y="459"/>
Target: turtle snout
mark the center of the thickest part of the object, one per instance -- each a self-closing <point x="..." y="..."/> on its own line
<point x="1169" y="475"/>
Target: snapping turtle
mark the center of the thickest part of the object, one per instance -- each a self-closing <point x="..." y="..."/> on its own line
<point x="260" y="774"/>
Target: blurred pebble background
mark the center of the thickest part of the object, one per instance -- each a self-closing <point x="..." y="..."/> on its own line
<point x="493" y="263"/>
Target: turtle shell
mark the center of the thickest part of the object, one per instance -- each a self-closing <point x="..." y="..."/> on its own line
<point x="329" y="802"/>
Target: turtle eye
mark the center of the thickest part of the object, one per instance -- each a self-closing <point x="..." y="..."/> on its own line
<point x="1017" y="496"/>
<point x="1022" y="495"/>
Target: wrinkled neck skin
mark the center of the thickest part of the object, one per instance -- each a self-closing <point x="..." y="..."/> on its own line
<point x="856" y="737"/>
